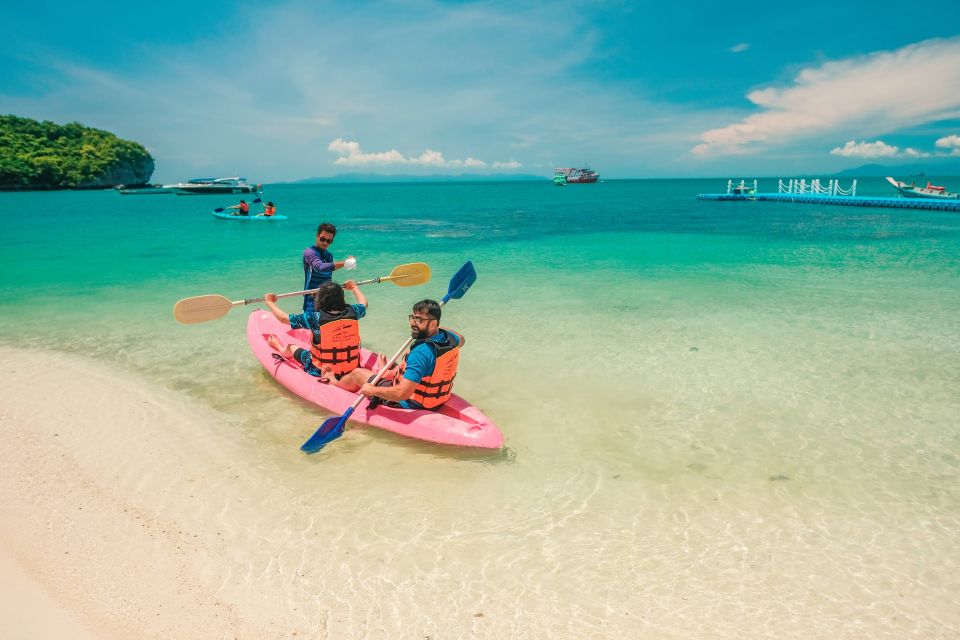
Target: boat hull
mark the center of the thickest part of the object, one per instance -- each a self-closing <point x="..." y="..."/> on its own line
<point x="457" y="422"/>
<point x="255" y="218"/>
<point x="212" y="190"/>
<point x="143" y="192"/>
<point x="910" y="191"/>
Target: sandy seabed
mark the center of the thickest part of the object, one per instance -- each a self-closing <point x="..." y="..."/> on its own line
<point x="131" y="512"/>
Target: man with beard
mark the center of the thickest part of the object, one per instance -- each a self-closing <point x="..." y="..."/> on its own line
<point x="425" y="378"/>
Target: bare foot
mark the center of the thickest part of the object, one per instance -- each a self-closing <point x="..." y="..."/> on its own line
<point x="381" y="360"/>
<point x="274" y="343"/>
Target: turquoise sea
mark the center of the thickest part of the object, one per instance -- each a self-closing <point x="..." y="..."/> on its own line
<point x="750" y="406"/>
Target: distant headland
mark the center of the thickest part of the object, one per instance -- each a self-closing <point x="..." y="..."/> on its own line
<point x="44" y="155"/>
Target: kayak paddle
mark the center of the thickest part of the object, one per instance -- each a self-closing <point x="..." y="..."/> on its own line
<point x="332" y="428"/>
<point x="221" y="209"/>
<point x="211" y="307"/>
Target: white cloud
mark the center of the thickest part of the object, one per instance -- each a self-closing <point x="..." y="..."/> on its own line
<point x="878" y="149"/>
<point x="880" y="92"/>
<point x="951" y="142"/>
<point x="739" y="48"/>
<point x="351" y="154"/>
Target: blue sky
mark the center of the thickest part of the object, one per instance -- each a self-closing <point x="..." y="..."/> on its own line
<point x="281" y="91"/>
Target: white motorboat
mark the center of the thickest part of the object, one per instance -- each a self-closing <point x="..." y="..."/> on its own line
<point x="215" y="186"/>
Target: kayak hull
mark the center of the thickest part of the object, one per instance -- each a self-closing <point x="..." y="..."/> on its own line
<point x="457" y="422"/>
<point x="230" y="216"/>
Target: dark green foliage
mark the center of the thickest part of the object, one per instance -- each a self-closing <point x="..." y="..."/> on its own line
<point x="45" y="155"/>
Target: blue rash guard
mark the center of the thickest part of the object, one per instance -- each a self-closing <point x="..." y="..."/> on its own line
<point x="421" y="362"/>
<point x="317" y="268"/>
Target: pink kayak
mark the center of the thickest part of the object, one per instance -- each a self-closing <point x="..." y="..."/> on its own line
<point x="457" y="422"/>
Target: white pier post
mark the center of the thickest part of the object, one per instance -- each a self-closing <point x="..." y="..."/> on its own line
<point x="729" y="186"/>
<point x="854" y="188"/>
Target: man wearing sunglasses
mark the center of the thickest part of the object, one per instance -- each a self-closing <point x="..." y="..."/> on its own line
<point x="318" y="262"/>
<point x="425" y="379"/>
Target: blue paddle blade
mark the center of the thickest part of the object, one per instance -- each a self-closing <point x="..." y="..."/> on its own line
<point x="461" y="281"/>
<point x="218" y="210"/>
<point x="331" y="429"/>
<point x="256" y="201"/>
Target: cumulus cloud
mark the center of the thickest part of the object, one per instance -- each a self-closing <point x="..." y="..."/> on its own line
<point x="739" y="48"/>
<point x="880" y="92"/>
<point x="351" y="154"/>
<point x="877" y="149"/>
<point x="951" y="143"/>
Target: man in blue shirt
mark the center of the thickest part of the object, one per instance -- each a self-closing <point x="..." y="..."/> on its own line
<point x="425" y="379"/>
<point x="318" y="262"/>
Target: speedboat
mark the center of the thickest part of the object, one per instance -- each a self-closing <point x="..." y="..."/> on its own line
<point x="216" y="186"/>
<point x="930" y="191"/>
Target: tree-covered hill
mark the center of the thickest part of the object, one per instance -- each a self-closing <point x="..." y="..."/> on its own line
<point x="46" y="155"/>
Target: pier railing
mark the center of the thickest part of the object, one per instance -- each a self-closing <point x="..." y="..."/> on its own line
<point x="800" y="186"/>
<point x="743" y="187"/>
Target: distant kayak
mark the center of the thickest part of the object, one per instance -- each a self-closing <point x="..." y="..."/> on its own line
<point x="228" y="216"/>
<point x="457" y="422"/>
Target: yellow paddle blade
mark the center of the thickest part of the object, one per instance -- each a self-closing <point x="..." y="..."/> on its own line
<point x="408" y="275"/>
<point x="201" y="309"/>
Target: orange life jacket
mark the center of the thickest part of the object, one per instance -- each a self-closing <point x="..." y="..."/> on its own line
<point x="339" y="345"/>
<point x="269" y="211"/>
<point x="435" y="389"/>
<point x="244" y="208"/>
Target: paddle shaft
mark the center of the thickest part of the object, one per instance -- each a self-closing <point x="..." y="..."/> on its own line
<point x="247" y="301"/>
<point x="383" y="370"/>
<point x="222" y="209"/>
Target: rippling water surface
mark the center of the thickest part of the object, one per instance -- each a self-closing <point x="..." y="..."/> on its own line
<point x="720" y="417"/>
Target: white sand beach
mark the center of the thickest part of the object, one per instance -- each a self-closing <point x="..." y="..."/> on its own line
<point x="89" y="546"/>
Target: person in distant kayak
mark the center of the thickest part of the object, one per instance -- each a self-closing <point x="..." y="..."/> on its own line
<point x="318" y="262"/>
<point x="269" y="209"/>
<point x="425" y="377"/>
<point x="335" y="340"/>
<point x="243" y="209"/>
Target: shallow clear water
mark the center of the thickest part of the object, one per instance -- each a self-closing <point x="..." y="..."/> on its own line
<point x="750" y="405"/>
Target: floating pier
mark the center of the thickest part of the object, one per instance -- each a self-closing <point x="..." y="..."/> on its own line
<point x="814" y="192"/>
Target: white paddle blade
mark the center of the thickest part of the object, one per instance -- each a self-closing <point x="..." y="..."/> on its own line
<point x="409" y="275"/>
<point x="201" y="309"/>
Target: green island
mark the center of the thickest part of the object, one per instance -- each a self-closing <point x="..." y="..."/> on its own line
<point x="46" y="155"/>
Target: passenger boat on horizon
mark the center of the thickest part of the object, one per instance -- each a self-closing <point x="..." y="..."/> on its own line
<point x="215" y="186"/>
<point x="930" y="191"/>
<point x="576" y="176"/>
